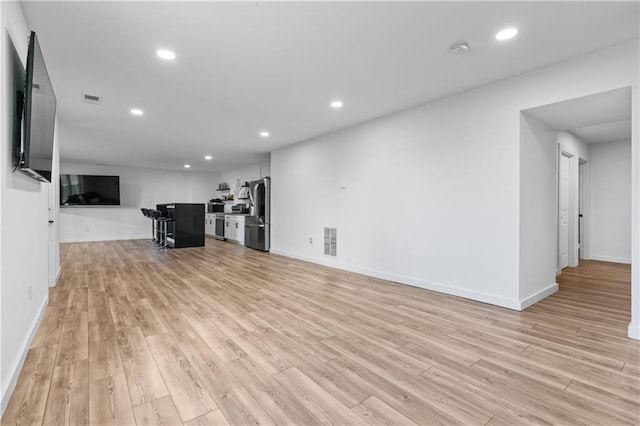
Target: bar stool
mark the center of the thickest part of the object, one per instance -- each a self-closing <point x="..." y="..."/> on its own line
<point x="156" y="216"/>
<point x="146" y="213"/>
<point x="164" y="230"/>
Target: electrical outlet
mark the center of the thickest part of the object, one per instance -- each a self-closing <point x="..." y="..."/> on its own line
<point x="30" y="289"/>
<point x="310" y="240"/>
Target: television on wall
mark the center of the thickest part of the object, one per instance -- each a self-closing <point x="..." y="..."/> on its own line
<point x="89" y="190"/>
<point x="35" y="117"/>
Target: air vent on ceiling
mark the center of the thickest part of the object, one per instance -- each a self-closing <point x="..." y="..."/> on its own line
<point x="330" y="241"/>
<point x="91" y="99"/>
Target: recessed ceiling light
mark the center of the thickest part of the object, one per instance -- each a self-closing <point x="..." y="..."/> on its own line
<point x="336" y="104"/>
<point x="166" y="54"/>
<point x="506" y="34"/>
<point x="186" y="166"/>
<point x="208" y="157"/>
<point x="136" y="111"/>
<point x="264" y="134"/>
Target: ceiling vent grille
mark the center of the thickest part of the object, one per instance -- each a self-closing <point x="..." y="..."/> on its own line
<point x="330" y="241"/>
<point x="91" y="99"/>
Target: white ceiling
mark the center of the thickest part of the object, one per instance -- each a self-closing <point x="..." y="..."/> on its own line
<point x="245" y="67"/>
<point x="601" y="117"/>
<point x="606" y="132"/>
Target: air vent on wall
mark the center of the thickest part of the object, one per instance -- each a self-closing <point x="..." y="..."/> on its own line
<point x="330" y="241"/>
<point x="91" y="99"/>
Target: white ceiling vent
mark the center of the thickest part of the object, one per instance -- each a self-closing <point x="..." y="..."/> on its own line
<point x="330" y="241"/>
<point x="91" y="99"/>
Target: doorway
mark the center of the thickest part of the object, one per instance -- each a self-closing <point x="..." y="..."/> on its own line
<point x="570" y="153"/>
<point x="585" y="221"/>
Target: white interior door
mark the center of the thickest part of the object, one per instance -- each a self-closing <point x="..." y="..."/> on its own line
<point x="563" y="213"/>
<point x="53" y="270"/>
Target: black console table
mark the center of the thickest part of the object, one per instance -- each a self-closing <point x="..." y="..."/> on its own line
<point x="186" y="228"/>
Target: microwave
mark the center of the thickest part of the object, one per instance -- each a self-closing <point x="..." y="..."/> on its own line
<point x="215" y="207"/>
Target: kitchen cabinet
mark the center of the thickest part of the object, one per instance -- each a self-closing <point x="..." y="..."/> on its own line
<point x="234" y="228"/>
<point x="229" y="228"/>
<point x="210" y="225"/>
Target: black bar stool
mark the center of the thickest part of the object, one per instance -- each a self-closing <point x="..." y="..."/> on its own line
<point x="159" y="227"/>
<point x="164" y="230"/>
<point x="156" y="216"/>
<point x="147" y="213"/>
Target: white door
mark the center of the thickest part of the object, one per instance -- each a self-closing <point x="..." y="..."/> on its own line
<point x="51" y="243"/>
<point x="563" y="213"/>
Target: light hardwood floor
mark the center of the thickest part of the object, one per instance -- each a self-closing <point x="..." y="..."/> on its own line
<point x="224" y="334"/>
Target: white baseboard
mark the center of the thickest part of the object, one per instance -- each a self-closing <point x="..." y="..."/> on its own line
<point x="538" y="296"/>
<point x="613" y="259"/>
<point x="415" y="282"/>
<point x="92" y="238"/>
<point x="55" y="280"/>
<point x="634" y="331"/>
<point x="17" y="368"/>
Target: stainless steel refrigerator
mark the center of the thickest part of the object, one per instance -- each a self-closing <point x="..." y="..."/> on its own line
<point x="258" y="224"/>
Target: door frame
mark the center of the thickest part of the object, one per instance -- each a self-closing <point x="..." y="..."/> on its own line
<point x="584" y="200"/>
<point x="52" y="252"/>
<point x="574" y="188"/>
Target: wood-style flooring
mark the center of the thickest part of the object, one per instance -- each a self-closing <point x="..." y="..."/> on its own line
<point x="228" y="335"/>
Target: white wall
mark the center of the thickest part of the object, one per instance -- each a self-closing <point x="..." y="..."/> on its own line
<point x="432" y="195"/>
<point x="139" y="188"/>
<point x="538" y="210"/>
<point x="23" y="223"/>
<point x="201" y="186"/>
<point x="610" y="224"/>
<point x="425" y="200"/>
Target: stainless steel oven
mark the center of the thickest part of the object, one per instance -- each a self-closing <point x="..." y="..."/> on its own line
<point x="219" y="229"/>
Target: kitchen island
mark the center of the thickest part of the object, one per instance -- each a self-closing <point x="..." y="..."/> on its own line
<point x="185" y="227"/>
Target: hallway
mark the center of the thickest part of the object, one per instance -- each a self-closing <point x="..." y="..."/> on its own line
<point x="594" y="300"/>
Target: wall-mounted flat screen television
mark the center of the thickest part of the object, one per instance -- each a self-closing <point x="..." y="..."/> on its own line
<point x="89" y="190"/>
<point x="35" y="117"/>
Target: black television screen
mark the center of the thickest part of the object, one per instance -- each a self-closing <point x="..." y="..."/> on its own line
<point x="37" y="103"/>
<point x="89" y="190"/>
